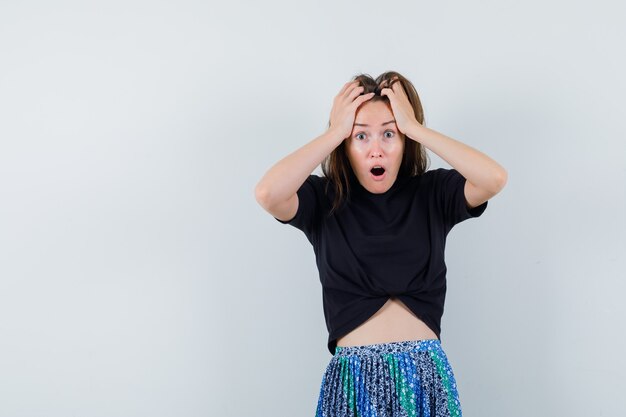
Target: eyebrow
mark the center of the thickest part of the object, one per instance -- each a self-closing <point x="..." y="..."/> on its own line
<point x="362" y="124"/>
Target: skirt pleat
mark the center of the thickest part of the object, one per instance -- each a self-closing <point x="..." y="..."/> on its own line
<point x="410" y="378"/>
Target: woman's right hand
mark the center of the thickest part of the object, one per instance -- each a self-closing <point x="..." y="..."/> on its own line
<point x="344" y="108"/>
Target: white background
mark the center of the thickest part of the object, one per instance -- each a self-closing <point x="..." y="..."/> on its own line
<point x="138" y="275"/>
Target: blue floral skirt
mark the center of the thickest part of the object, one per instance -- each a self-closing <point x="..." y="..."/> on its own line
<point x="407" y="378"/>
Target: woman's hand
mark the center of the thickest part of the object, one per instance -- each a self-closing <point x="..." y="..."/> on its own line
<point x="400" y="106"/>
<point x="344" y="108"/>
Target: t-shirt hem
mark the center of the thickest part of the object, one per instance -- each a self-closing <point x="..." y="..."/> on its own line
<point x="361" y="318"/>
<point x="351" y="325"/>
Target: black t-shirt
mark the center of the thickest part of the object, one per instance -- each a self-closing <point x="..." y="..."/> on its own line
<point x="381" y="245"/>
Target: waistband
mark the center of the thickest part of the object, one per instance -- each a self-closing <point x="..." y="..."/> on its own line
<point x="389" y="347"/>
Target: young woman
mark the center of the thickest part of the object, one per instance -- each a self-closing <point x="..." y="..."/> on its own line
<point x="378" y="221"/>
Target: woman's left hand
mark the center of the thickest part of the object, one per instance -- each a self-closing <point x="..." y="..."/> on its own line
<point x="400" y="106"/>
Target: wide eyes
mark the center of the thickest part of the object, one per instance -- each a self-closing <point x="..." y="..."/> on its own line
<point x="388" y="134"/>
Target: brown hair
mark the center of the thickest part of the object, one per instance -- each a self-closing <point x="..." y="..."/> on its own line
<point x="336" y="166"/>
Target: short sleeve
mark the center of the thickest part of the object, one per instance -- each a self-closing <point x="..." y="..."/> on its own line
<point x="309" y="197"/>
<point x="450" y="193"/>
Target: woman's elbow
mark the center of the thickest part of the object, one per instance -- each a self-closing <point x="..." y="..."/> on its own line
<point x="262" y="195"/>
<point x="500" y="180"/>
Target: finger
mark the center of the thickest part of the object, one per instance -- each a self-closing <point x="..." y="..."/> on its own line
<point x="398" y="87"/>
<point x="388" y="83"/>
<point x="347" y="86"/>
<point x="392" y="83"/>
<point x="344" y="89"/>
<point x="387" y="92"/>
<point x="402" y="94"/>
<point x="361" y="99"/>
<point x="345" y="93"/>
<point x="354" y="92"/>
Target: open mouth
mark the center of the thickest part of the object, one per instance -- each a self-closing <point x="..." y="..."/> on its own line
<point x="377" y="171"/>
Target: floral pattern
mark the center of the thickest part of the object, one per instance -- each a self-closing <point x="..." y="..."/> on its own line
<point x="411" y="378"/>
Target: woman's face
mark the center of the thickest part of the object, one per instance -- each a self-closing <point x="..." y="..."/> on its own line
<point x="375" y="142"/>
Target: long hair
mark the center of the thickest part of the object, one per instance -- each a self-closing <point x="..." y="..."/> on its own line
<point x="336" y="166"/>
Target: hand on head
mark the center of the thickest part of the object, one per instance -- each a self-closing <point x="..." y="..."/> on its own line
<point x="387" y="83"/>
<point x="344" y="107"/>
<point x="351" y="96"/>
<point x="400" y="105"/>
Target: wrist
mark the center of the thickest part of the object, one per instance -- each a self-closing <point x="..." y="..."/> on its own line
<point x="415" y="132"/>
<point x="335" y="135"/>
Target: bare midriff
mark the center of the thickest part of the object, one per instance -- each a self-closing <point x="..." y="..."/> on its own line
<point x="393" y="322"/>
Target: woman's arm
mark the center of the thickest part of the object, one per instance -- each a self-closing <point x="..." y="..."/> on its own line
<point x="277" y="190"/>
<point x="485" y="177"/>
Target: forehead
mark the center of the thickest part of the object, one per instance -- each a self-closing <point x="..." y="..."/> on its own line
<point x="373" y="114"/>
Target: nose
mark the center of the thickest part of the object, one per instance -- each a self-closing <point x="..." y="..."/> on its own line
<point x="375" y="149"/>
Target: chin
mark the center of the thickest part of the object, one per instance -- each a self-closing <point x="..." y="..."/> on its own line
<point x="379" y="190"/>
<point x="379" y="187"/>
